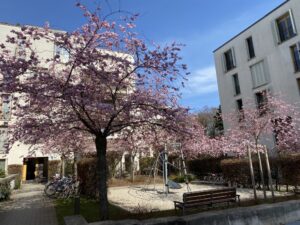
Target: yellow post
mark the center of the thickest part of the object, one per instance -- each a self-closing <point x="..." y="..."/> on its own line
<point x="24" y="172"/>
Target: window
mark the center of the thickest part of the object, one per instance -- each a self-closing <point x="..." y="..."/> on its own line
<point x="285" y="27"/>
<point x="259" y="75"/>
<point x="250" y="46"/>
<point x="229" y="60"/>
<point x="239" y="104"/>
<point x="295" y="50"/>
<point x="5" y="102"/>
<point x="298" y="82"/>
<point x="3" y="140"/>
<point x="62" y="53"/>
<point x="2" y="164"/>
<point x="236" y="84"/>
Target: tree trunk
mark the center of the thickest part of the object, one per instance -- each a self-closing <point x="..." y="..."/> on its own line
<point x="261" y="173"/>
<point x="101" y="145"/>
<point x="252" y="173"/>
<point x="269" y="174"/>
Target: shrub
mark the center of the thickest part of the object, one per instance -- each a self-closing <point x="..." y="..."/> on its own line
<point x="54" y="167"/>
<point x="237" y="171"/>
<point x="113" y="159"/>
<point x="69" y="167"/>
<point x="88" y="178"/>
<point x="146" y="164"/>
<point x="5" y="191"/>
<point x="204" y="166"/>
<point x="2" y="173"/>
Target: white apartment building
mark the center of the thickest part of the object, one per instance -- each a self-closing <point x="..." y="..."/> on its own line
<point x="263" y="57"/>
<point x="34" y="163"/>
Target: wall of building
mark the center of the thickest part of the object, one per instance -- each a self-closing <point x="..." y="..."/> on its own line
<point x="277" y="57"/>
<point x="19" y="151"/>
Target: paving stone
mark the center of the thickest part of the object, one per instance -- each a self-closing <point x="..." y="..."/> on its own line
<point x="28" y="206"/>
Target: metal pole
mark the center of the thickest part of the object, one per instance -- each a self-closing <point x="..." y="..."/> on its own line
<point x="165" y="170"/>
<point x="184" y="169"/>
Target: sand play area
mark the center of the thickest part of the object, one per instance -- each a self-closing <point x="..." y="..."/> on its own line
<point x="150" y="198"/>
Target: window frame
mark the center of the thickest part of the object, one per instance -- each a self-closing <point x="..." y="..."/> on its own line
<point x="236" y="84"/>
<point x="248" y="48"/>
<point x="289" y="14"/>
<point x="295" y="63"/>
<point x="224" y="60"/>
<point x="4" y="117"/>
<point x="265" y="71"/>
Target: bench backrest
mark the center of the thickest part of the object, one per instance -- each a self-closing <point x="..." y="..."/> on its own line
<point x="209" y="195"/>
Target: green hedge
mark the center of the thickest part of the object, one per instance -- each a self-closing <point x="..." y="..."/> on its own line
<point x="15" y="169"/>
<point x="2" y="173"/>
<point x="146" y="164"/>
<point x="86" y="170"/>
<point x="54" y="167"/>
<point x="238" y="171"/>
<point x="290" y="169"/>
<point x="204" y="166"/>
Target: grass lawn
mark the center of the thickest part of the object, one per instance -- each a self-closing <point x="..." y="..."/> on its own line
<point x="89" y="209"/>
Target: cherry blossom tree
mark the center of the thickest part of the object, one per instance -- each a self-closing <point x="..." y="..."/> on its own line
<point x="255" y="124"/>
<point x="106" y="80"/>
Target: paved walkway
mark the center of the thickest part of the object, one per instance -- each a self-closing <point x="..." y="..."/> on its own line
<point x="28" y="206"/>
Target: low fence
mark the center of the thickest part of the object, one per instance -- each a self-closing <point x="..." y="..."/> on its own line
<point x="11" y="179"/>
<point x="268" y="214"/>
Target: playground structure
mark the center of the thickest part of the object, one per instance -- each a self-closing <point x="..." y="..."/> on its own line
<point x="161" y="164"/>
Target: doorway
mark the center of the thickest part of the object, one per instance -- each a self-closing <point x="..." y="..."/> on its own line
<point x="36" y="169"/>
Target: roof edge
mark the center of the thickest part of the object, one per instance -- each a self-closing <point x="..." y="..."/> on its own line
<point x="273" y="10"/>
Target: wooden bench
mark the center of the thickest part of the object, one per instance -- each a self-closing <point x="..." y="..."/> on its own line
<point x="207" y="198"/>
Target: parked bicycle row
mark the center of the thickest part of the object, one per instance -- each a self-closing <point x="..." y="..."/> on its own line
<point x="65" y="187"/>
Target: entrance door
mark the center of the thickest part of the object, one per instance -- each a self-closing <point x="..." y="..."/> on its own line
<point x="30" y="169"/>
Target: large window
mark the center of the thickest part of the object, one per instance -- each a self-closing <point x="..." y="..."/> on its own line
<point x="236" y="84"/>
<point x="5" y="101"/>
<point x="295" y="50"/>
<point x="229" y="60"/>
<point x="285" y="26"/>
<point x="259" y="74"/>
<point x="250" y="47"/>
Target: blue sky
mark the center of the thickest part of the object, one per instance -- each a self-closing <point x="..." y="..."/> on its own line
<point x="201" y="25"/>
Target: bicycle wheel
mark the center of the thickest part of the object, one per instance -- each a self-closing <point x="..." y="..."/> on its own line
<point x="50" y="190"/>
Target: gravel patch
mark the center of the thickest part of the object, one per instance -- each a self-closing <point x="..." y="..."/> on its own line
<point x="150" y="198"/>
